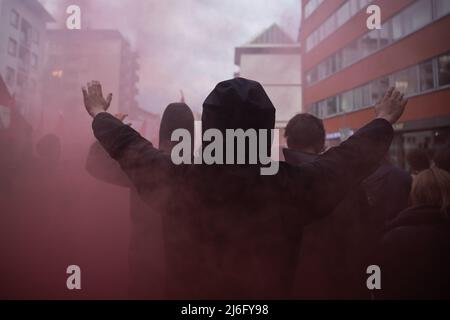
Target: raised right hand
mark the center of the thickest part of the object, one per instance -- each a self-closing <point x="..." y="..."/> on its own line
<point x="392" y="106"/>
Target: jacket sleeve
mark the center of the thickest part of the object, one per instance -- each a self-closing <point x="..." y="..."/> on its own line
<point x="326" y="181"/>
<point x="102" y="167"/>
<point x="146" y="167"/>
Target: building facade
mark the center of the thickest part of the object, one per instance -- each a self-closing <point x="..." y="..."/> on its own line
<point x="273" y="59"/>
<point x="23" y="51"/>
<point x="79" y="56"/>
<point x="347" y="67"/>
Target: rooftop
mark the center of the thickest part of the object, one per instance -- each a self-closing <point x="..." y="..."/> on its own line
<point x="37" y="8"/>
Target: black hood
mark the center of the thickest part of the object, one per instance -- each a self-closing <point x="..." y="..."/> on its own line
<point x="238" y="104"/>
<point x="176" y="116"/>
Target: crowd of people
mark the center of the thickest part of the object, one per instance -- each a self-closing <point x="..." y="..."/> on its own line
<point x="310" y="231"/>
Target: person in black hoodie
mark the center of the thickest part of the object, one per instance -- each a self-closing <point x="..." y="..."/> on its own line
<point x="338" y="239"/>
<point x="442" y="158"/>
<point x="414" y="252"/>
<point x="231" y="232"/>
<point x="146" y="254"/>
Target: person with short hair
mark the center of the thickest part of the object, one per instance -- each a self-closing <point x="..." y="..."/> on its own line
<point x="414" y="250"/>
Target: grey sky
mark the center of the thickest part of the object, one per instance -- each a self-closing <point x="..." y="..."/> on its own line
<point x="186" y="44"/>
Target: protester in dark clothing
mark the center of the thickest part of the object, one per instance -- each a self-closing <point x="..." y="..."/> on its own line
<point x="305" y="133"/>
<point x="414" y="255"/>
<point x="387" y="190"/>
<point x="336" y="240"/>
<point x="442" y="159"/>
<point x="418" y="161"/>
<point x="146" y="247"/>
<point x="231" y="232"/>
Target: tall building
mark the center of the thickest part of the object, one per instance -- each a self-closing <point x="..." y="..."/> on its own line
<point x="79" y="56"/>
<point x="22" y="51"/>
<point x="273" y="59"/>
<point x="347" y="67"/>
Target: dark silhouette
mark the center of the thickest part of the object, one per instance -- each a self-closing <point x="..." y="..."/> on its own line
<point x="387" y="190"/>
<point x="146" y="258"/>
<point x="414" y="257"/>
<point x="337" y="240"/>
<point x="442" y="159"/>
<point x="231" y="232"/>
<point x="418" y="161"/>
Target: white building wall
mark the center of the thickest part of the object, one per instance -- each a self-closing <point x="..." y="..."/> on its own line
<point x="280" y="74"/>
<point x="28" y="94"/>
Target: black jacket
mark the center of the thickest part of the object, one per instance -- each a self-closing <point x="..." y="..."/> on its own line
<point x="229" y="231"/>
<point x="338" y="240"/>
<point x="388" y="190"/>
<point x="414" y="256"/>
<point x="146" y="251"/>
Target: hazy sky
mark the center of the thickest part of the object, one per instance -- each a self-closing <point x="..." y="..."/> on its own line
<point x="186" y="44"/>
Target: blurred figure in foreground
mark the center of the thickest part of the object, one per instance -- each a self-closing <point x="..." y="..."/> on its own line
<point x="418" y="161"/>
<point x="336" y="240"/>
<point x="146" y="257"/>
<point x="442" y="159"/>
<point x="415" y="260"/>
<point x="231" y="232"/>
<point x="387" y="191"/>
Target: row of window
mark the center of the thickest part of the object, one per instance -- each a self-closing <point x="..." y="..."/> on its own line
<point x="23" y="53"/>
<point x="430" y="75"/>
<point x="415" y="17"/>
<point x="311" y="6"/>
<point x="22" y="81"/>
<point x="335" y="21"/>
<point x="27" y="33"/>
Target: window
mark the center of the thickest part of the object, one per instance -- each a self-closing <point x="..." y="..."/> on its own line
<point x="369" y="43"/>
<point x="24" y="55"/>
<point x="36" y="36"/>
<point x="32" y="85"/>
<point x="12" y="47"/>
<point x="343" y="14"/>
<point x="444" y="70"/>
<point x="378" y="88"/>
<point x="397" y="27"/>
<point x="361" y="97"/>
<point x="364" y="3"/>
<point x="312" y="6"/>
<point x="442" y="8"/>
<point x="25" y="32"/>
<point x="323" y="70"/>
<point x="426" y="76"/>
<point x="10" y="76"/>
<point x="34" y="60"/>
<point x="350" y="54"/>
<point x="365" y="92"/>
<point x="417" y="16"/>
<point x="312" y="76"/>
<point x="321" y="109"/>
<point x="406" y="81"/>
<point x="357" y="98"/>
<point x="21" y="80"/>
<point x="347" y="101"/>
<point x="332" y="107"/>
<point x="14" y="19"/>
<point x="336" y="62"/>
<point x="385" y="34"/>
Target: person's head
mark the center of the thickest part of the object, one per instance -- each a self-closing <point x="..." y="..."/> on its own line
<point x="239" y="104"/>
<point x="432" y="187"/>
<point x="176" y="116"/>
<point x="418" y="160"/>
<point x="442" y="159"/>
<point x="305" y="132"/>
